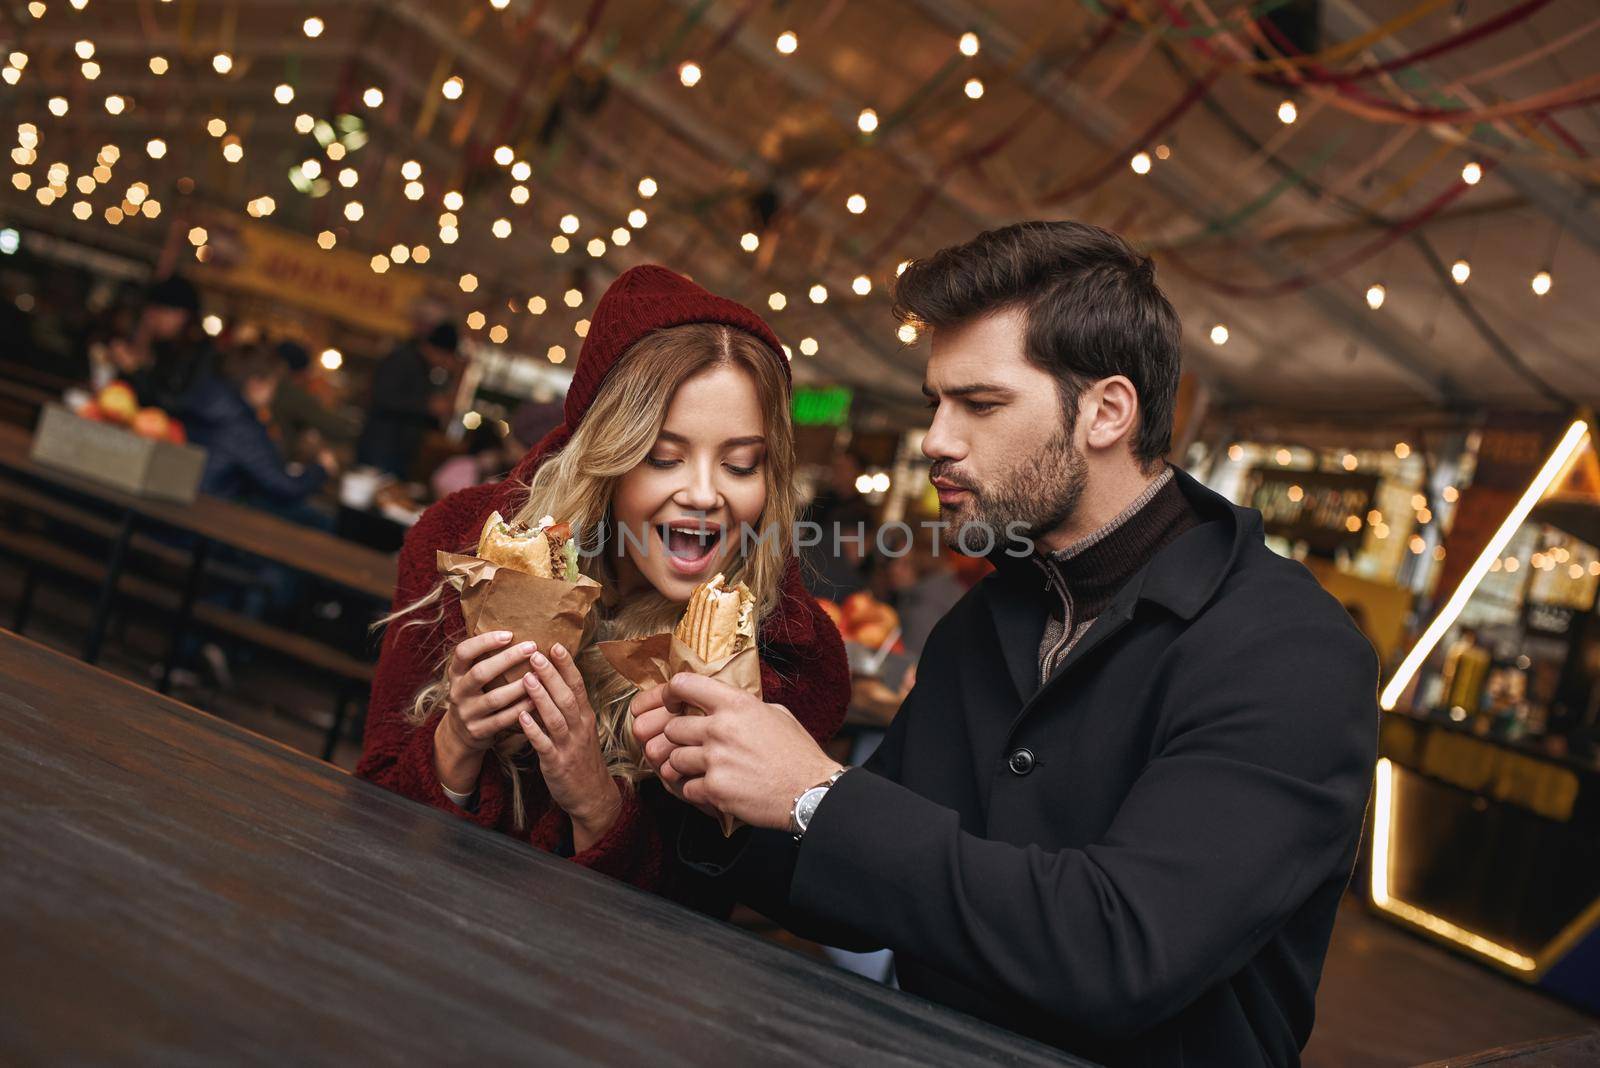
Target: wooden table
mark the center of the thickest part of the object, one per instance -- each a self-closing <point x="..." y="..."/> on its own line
<point x="174" y="889"/>
<point x="213" y="521"/>
<point x="260" y="533"/>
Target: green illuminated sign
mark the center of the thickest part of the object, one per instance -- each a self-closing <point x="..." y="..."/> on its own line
<point x="822" y="407"/>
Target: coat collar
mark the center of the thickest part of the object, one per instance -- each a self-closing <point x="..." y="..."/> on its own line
<point x="1182" y="578"/>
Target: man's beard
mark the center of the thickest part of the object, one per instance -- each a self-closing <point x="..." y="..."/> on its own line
<point x="1032" y="499"/>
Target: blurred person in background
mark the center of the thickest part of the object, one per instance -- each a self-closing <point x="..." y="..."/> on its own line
<point x="299" y="413"/>
<point x="924" y="587"/>
<point x="242" y="461"/>
<point x="410" y="396"/>
<point x="488" y="457"/>
<point x="167" y="354"/>
<point x="833" y="565"/>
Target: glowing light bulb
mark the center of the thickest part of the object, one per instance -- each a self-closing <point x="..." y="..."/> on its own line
<point x="1461" y="270"/>
<point x="787" y="42"/>
<point x="373" y="97"/>
<point x="862" y="285"/>
<point x="501" y="228"/>
<point x="647" y="187"/>
<point x="749" y="242"/>
<point x="689" y="73"/>
<point x="777" y="302"/>
<point x="569" y="224"/>
<point x="637" y="218"/>
<point x="968" y="44"/>
<point x="1287" y="112"/>
<point x="974" y="88"/>
<point x="867" y="121"/>
<point x="284" y="94"/>
<point x="453" y="87"/>
<point x="1375" y="294"/>
<point x="1541" y="283"/>
<point x="1140" y="163"/>
<point x="521" y="170"/>
<point x="312" y="27"/>
<point x="453" y="200"/>
<point x="819" y="293"/>
<point x="1219" y="334"/>
<point x="808" y="346"/>
<point x="856" y="204"/>
<point x="906" y="333"/>
<point x="222" y="63"/>
<point x="1472" y="173"/>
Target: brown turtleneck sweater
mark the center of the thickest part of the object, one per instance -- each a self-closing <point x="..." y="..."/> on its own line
<point x="1088" y="573"/>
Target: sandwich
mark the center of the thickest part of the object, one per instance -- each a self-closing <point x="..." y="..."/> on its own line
<point x="545" y="550"/>
<point x="718" y="622"/>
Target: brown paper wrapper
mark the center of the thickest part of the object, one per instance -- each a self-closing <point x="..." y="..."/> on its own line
<point x="651" y="661"/>
<point x="544" y="611"/>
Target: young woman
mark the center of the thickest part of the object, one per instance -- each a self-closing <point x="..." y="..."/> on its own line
<point x="677" y="419"/>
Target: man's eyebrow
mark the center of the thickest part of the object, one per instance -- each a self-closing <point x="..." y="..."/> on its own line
<point x="730" y="443"/>
<point x="969" y="390"/>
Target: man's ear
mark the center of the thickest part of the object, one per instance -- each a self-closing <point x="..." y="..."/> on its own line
<point x="1110" y="410"/>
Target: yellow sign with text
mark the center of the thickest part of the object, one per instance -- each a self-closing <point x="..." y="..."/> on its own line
<point x="293" y="268"/>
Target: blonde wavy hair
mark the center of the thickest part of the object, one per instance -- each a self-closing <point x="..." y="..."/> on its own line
<point x="576" y="485"/>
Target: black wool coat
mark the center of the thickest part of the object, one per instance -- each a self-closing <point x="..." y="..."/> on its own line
<point x="1139" y="861"/>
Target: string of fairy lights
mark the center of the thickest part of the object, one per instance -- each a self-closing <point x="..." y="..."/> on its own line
<point x="333" y="170"/>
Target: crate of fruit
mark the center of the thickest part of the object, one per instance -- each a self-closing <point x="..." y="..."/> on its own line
<point x="111" y="440"/>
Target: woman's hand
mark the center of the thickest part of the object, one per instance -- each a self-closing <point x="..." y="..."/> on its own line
<point x="478" y="710"/>
<point x="561" y="729"/>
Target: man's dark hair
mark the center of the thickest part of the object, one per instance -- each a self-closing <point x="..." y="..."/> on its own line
<point x="1092" y="304"/>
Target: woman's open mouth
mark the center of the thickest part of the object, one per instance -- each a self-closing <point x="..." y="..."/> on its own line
<point x="691" y="545"/>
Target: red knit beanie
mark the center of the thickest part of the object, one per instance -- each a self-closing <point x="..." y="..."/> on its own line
<point x="641" y="300"/>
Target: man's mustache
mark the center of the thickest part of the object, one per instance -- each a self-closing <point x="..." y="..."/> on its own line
<point x="941" y="472"/>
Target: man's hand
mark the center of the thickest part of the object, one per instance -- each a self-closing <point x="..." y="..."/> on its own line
<point x="743" y="757"/>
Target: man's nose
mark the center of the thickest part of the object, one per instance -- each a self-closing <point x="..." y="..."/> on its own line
<point x="941" y="443"/>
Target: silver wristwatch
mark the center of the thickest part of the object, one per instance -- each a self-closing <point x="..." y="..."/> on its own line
<point x="805" y="806"/>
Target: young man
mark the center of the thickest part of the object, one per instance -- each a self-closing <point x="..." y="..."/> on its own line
<point x="1119" y="807"/>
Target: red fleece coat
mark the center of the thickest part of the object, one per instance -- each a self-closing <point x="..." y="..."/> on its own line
<point x="803" y="665"/>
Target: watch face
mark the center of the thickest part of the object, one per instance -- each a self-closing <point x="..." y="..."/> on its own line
<point x="808" y="805"/>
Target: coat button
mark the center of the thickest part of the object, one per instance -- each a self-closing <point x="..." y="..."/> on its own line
<point x="1021" y="762"/>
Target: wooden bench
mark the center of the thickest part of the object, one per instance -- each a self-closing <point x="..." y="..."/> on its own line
<point x="354" y="675"/>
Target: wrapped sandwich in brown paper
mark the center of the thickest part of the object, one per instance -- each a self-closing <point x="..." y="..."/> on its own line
<point x="524" y="580"/>
<point x="716" y="637"/>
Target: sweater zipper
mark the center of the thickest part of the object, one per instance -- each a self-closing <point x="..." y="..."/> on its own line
<point x="1053" y="580"/>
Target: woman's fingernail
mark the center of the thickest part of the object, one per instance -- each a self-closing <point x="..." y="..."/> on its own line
<point x="527" y="720"/>
<point x="539" y="660"/>
<point x="559" y="650"/>
<point x="503" y="636"/>
<point x="526" y="648"/>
